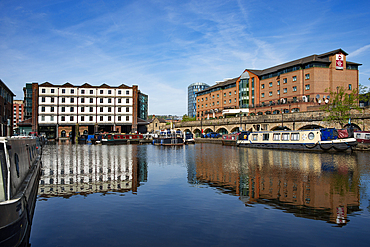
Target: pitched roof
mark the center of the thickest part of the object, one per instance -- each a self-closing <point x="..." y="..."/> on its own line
<point x="86" y="85"/>
<point x="220" y="84"/>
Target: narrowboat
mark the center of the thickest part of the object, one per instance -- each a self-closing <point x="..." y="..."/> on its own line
<point x="169" y="137"/>
<point x="230" y="139"/>
<point x="318" y="139"/>
<point x="189" y="138"/>
<point x="116" y="138"/>
<point x="20" y="161"/>
<point x="362" y="136"/>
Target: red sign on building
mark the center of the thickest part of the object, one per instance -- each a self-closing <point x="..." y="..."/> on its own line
<point x="339" y="61"/>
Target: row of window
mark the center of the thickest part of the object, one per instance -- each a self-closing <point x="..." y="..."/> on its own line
<point x="282" y="136"/>
<point x="285" y="90"/>
<point x="82" y="100"/>
<point x="285" y="80"/>
<point x="83" y="91"/>
<point x="91" y="109"/>
<point x="218" y="102"/>
<point x="82" y="118"/>
<point x="218" y="96"/>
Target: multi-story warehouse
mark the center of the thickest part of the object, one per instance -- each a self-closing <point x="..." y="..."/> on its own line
<point x="192" y="90"/>
<point x="18" y="113"/>
<point x="68" y="111"/>
<point x="213" y="100"/>
<point x="6" y="110"/>
<point x="298" y="85"/>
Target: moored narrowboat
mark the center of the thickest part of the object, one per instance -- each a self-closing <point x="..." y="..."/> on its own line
<point x="189" y="138"/>
<point x="169" y="137"/>
<point x="230" y="139"/>
<point x="318" y="139"/>
<point x="362" y="136"/>
<point x="116" y="138"/>
<point x="20" y="161"/>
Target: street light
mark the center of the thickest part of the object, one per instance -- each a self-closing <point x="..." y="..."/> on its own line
<point x="240" y="115"/>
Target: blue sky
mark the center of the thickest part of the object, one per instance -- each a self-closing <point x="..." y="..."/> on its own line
<point x="164" y="46"/>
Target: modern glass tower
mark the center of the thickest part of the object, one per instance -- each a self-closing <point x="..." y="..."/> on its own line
<point x="192" y="89"/>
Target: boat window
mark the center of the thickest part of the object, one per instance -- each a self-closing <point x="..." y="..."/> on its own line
<point x="285" y="137"/>
<point x="109" y="137"/>
<point x="29" y="151"/>
<point x="311" y="135"/>
<point x="294" y="137"/>
<point x="3" y="177"/>
<point x="255" y="137"/>
<point x="276" y="137"/>
<point x="358" y="136"/>
<point x="266" y="137"/>
<point x="16" y="161"/>
<point x="367" y="136"/>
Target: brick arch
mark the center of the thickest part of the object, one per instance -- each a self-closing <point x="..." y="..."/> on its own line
<point x="311" y="126"/>
<point x="207" y="129"/>
<point x="222" y="128"/>
<point x="186" y="130"/>
<point x="234" y="129"/>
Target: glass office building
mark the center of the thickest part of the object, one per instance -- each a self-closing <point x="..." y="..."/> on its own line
<point x="192" y="89"/>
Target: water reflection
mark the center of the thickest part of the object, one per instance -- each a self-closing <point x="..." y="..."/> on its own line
<point x="318" y="186"/>
<point x="84" y="169"/>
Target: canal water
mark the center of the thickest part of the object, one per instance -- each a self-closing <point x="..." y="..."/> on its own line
<point x="200" y="195"/>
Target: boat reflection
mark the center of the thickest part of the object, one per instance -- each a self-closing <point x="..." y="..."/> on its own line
<point x="318" y="186"/>
<point x="86" y="169"/>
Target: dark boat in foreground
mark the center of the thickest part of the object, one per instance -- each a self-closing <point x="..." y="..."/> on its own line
<point x="318" y="139"/>
<point x="20" y="161"/>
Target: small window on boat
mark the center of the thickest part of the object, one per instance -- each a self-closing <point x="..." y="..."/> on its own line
<point x="16" y="161"/>
<point x="294" y="137"/>
<point x="358" y="136"/>
<point x="265" y="137"/>
<point x="109" y="137"/>
<point x="276" y="137"/>
<point x="285" y="137"/>
<point x="255" y="137"/>
<point x="311" y="135"/>
<point x="367" y="136"/>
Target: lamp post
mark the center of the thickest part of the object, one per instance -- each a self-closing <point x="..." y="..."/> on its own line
<point x="240" y="116"/>
<point x="282" y="118"/>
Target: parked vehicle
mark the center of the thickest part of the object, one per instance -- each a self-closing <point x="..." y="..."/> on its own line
<point x="213" y="135"/>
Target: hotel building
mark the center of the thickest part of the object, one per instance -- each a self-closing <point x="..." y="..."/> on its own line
<point x="62" y="111"/>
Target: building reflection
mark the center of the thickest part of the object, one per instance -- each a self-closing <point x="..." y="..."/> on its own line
<point x="320" y="186"/>
<point x="85" y="169"/>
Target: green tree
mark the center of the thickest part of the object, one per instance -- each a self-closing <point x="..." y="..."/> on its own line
<point x="340" y="105"/>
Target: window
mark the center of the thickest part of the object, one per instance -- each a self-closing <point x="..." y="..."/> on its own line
<point x="82" y="91"/>
<point x="294" y="78"/>
<point x="63" y="109"/>
<point x="263" y="95"/>
<point x="109" y="101"/>
<point x="255" y="137"/>
<point x="285" y="137"/>
<point x="270" y="93"/>
<point x="278" y="83"/>
<point x="109" y="118"/>
<point x="101" y="91"/>
<point x="229" y="93"/>
<point x="119" y="109"/>
<point x="43" y="99"/>
<point x="119" y="91"/>
<point x="202" y="99"/>
<point x="72" y="109"/>
<point x="43" y="109"/>
<point x="278" y="92"/>
<point x="308" y="87"/>
<point x="224" y="101"/>
<point x="91" y="91"/>
<point x="119" y="118"/>
<point x="52" y="99"/>
<point x="90" y="118"/>
<point x="63" y="100"/>
<point x="349" y="86"/>
<point x="101" y="109"/>
<point x="82" y="109"/>
<point x="294" y="89"/>
<point x="91" y="109"/>
<point x="109" y="91"/>
<point x="63" y="90"/>
<point x="72" y="100"/>
<point x="127" y="92"/>
<point x="270" y="84"/>
<point x="91" y="100"/>
<point x="43" y="90"/>
<point x="294" y="137"/>
<point x="213" y="103"/>
<point x="82" y="100"/>
<point x="109" y="109"/>
<point x="52" y="109"/>
<point x="127" y="101"/>
<point x="127" y="118"/>
<point x="51" y="118"/>
<point x="63" y="119"/>
<point x="101" y="118"/>
<point x="119" y="100"/>
<point x="213" y="96"/>
<point x="72" y="91"/>
<point x="285" y="80"/>
<point x="101" y="100"/>
<point x="71" y="118"/>
<point x="218" y="96"/>
<point x="127" y="109"/>
<point x="206" y="105"/>
<point x="276" y="137"/>
<point x="265" y="137"/>
<point x="307" y="76"/>
<point x="224" y="94"/>
<point x="198" y="100"/>
<point x="263" y="86"/>
<point x="229" y="100"/>
<point x="218" y="102"/>
<point x="285" y="90"/>
<point x="234" y="93"/>
<point x="311" y="135"/>
<point x="82" y="118"/>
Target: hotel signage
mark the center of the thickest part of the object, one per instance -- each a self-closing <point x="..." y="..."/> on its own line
<point x="339" y="61"/>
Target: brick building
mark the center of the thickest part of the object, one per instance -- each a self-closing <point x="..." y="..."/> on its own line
<point x="64" y="111"/>
<point x="6" y="110"/>
<point x="18" y="114"/>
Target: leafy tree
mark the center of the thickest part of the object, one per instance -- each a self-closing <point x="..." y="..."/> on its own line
<point x="186" y="118"/>
<point x="340" y="105"/>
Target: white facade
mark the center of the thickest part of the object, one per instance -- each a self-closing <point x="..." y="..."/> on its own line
<point x="65" y="105"/>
